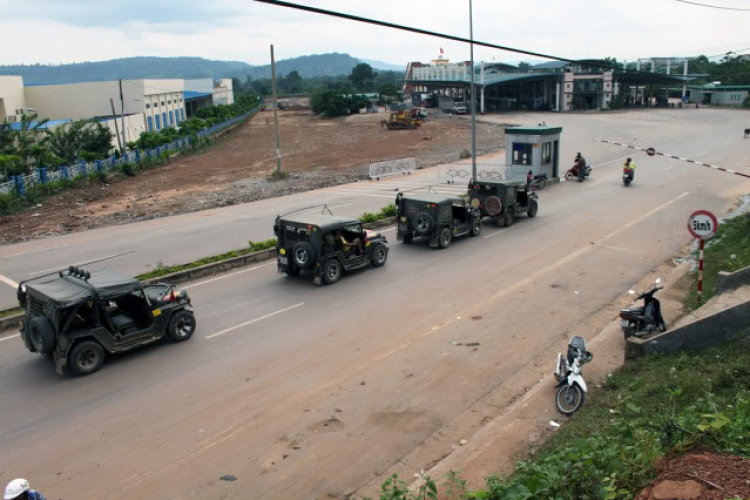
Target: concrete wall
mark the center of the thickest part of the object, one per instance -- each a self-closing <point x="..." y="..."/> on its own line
<point x="729" y="97"/>
<point x="221" y="89"/>
<point x="135" y="125"/>
<point x="730" y="281"/>
<point x="12" y="99"/>
<point x="702" y="334"/>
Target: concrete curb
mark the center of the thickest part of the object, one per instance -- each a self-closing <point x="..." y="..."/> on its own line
<point x="732" y="281"/>
<point x="10" y="323"/>
<point x="213" y="268"/>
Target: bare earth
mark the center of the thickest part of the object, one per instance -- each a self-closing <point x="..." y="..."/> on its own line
<point x="316" y="152"/>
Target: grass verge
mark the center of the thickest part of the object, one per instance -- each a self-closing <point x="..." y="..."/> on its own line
<point x="10" y="312"/>
<point x="162" y="270"/>
<point x="728" y="251"/>
<point x="385" y="212"/>
<point x="650" y="408"/>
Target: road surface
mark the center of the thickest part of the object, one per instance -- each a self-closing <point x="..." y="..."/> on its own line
<point x="301" y="391"/>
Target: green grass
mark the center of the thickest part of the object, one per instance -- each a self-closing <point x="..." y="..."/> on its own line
<point x="385" y="212"/>
<point x="162" y="270"/>
<point x="10" y="312"/>
<point x="733" y="238"/>
<point x="651" y="407"/>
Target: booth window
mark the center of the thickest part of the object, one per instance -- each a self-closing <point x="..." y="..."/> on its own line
<point x="521" y="154"/>
<point x="546" y="153"/>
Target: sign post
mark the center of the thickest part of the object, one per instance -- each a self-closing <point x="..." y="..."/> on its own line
<point x="703" y="225"/>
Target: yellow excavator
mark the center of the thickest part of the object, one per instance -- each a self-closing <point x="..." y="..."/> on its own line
<point x="402" y="120"/>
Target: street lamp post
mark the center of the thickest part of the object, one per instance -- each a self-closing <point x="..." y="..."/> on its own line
<point x="473" y="101"/>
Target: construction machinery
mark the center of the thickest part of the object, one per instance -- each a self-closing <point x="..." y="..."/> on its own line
<point x="402" y="120"/>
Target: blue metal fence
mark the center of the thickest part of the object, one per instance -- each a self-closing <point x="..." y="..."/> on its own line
<point x="18" y="184"/>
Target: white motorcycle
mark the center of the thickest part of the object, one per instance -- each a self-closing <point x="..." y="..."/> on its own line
<point x="573" y="389"/>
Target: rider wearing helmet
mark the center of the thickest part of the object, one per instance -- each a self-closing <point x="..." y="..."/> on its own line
<point x="18" y="489"/>
<point x="629" y="168"/>
<point x="581" y="165"/>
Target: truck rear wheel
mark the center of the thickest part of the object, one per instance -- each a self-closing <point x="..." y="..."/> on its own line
<point x="86" y="358"/>
<point x="446" y="237"/>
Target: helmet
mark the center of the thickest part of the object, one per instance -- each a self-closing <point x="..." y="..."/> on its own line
<point x="578" y="154"/>
<point x="16" y="488"/>
<point x="628" y="160"/>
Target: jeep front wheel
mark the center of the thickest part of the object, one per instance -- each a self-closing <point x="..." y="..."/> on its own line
<point x="446" y="237"/>
<point x="181" y="326"/>
<point x="331" y="271"/>
<point x="86" y="358"/>
<point x="379" y="255"/>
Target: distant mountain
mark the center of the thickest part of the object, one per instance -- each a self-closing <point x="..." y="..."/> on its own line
<point x="186" y="67"/>
<point x="383" y="66"/>
<point x="131" y="68"/>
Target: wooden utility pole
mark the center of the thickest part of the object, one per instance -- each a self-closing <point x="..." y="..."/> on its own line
<point x="117" y="130"/>
<point x="275" y="112"/>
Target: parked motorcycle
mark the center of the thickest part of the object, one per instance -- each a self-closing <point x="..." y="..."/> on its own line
<point x="538" y="182"/>
<point x="574" y="173"/>
<point x="640" y="321"/>
<point x="628" y="174"/>
<point x="572" y="390"/>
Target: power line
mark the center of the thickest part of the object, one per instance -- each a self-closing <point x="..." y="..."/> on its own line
<point x="713" y="6"/>
<point x="350" y="17"/>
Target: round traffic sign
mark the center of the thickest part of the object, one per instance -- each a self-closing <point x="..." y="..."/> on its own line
<point x="703" y="225"/>
<point x="651" y="151"/>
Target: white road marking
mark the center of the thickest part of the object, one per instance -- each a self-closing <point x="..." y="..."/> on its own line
<point x="386" y="230"/>
<point x="213" y="335"/>
<point x="227" y="275"/>
<point x="11" y="337"/>
<point x="670" y="168"/>
<point x="8" y="281"/>
<point x="610" y="190"/>
<point x="499" y="232"/>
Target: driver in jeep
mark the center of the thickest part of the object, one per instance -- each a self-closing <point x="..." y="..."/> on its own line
<point x="346" y="246"/>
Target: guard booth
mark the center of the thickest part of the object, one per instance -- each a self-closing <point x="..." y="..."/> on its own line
<point x="534" y="148"/>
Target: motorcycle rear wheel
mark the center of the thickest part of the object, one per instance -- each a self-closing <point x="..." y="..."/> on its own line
<point x="569" y="399"/>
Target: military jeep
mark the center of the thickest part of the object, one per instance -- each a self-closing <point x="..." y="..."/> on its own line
<point x="326" y="246"/>
<point x="77" y="316"/>
<point x="503" y="200"/>
<point x="435" y="217"/>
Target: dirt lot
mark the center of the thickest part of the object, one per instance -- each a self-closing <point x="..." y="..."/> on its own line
<point x="316" y="152"/>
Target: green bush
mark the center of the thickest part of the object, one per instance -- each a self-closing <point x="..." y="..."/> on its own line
<point x="130" y="169"/>
<point x="746" y="102"/>
<point x="385" y="212"/>
<point x="262" y="245"/>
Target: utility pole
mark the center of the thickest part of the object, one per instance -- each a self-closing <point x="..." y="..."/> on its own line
<point x="473" y="100"/>
<point x="117" y="130"/>
<point x="122" y="120"/>
<point x="684" y="83"/>
<point x="275" y="112"/>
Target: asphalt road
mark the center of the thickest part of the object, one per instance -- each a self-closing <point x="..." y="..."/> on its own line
<point x="303" y="391"/>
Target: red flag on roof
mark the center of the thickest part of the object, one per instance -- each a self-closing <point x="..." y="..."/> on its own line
<point x="441" y="51"/>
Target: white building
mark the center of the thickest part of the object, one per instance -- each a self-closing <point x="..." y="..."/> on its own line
<point x="220" y="89"/>
<point x="12" y="99"/>
<point x="148" y="104"/>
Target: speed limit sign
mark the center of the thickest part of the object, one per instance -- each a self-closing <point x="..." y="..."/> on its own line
<point x="703" y="225"/>
<point x="651" y="151"/>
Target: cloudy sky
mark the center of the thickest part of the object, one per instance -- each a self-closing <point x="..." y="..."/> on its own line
<point x="60" y="31"/>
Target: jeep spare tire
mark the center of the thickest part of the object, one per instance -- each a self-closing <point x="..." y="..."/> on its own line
<point x="425" y="223"/>
<point x="302" y="255"/>
<point x="42" y="334"/>
<point x="493" y="205"/>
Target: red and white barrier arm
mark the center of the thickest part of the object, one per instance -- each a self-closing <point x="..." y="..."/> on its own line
<point x="715" y="167"/>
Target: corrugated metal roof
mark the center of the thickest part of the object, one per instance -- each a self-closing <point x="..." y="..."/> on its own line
<point x="551" y="65"/>
<point x="191" y="94"/>
<point x="491" y="79"/>
<point x="50" y="123"/>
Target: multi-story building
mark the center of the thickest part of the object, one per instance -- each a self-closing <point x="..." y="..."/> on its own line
<point x="220" y="89"/>
<point x="146" y="104"/>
